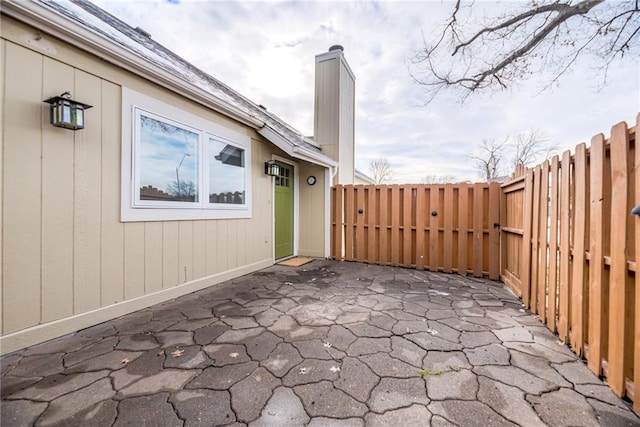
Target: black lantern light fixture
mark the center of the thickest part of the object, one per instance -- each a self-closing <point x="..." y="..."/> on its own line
<point x="67" y="113"/>
<point x="271" y="168"/>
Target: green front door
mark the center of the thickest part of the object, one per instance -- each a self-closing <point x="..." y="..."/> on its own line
<point x="284" y="211"/>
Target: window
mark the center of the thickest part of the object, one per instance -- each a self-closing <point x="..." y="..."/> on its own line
<point x="180" y="166"/>
<point x="284" y="179"/>
<point x="164" y="148"/>
<point x="227" y="174"/>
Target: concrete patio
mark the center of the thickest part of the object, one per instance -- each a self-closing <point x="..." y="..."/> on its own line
<point x="325" y="344"/>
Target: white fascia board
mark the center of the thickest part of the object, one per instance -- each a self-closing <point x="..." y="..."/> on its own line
<point x="363" y="176"/>
<point x="66" y="29"/>
<point x="313" y="157"/>
<point x="296" y="151"/>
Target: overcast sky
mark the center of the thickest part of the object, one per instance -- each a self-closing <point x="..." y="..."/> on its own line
<point x="266" y="50"/>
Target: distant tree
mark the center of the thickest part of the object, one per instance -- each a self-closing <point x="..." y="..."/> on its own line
<point x="490" y="159"/>
<point x="479" y="49"/>
<point x="494" y="160"/>
<point x="530" y="148"/>
<point x="182" y="189"/>
<point x="381" y="170"/>
<point x="440" y="179"/>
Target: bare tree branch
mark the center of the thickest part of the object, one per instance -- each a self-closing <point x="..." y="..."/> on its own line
<point x="495" y="160"/>
<point x="381" y="171"/>
<point x="530" y="148"/>
<point x="490" y="159"/>
<point x="555" y="7"/>
<point x="524" y="40"/>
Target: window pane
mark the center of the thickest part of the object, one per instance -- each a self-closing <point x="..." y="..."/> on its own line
<point x="227" y="173"/>
<point x="168" y="162"/>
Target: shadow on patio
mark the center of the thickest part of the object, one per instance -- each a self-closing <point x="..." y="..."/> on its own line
<point x="329" y="343"/>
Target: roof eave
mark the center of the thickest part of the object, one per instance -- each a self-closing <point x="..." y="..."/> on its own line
<point x="363" y="176"/>
<point x="296" y="151"/>
<point x="41" y="17"/>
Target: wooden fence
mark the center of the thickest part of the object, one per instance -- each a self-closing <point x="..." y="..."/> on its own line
<point x="449" y="228"/>
<point x="569" y="250"/>
<point x="567" y="244"/>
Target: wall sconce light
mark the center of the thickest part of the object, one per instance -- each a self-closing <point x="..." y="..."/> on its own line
<point x="67" y="113"/>
<point x="271" y="168"/>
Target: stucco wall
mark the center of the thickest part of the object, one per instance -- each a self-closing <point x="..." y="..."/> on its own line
<point x="67" y="260"/>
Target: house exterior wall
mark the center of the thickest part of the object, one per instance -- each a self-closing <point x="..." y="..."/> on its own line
<point x="312" y="211"/>
<point x="68" y="262"/>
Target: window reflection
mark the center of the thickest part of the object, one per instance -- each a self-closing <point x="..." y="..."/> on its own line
<point x="227" y="175"/>
<point x="168" y="161"/>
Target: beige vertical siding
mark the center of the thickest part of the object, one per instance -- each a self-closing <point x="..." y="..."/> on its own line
<point x="2" y="80"/>
<point x="133" y="255"/>
<point x="66" y="255"/>
<point x="153" y="265"/>
<point x="346" y="128"/>
<point x="111" y="229"/>
<point x="22" y="203"/>
<point x="326" y="125"/>
<point x="335" y="114"/>
<point x="87" y="200"/>
<point x="56" y="269"/>
<point x="312" y="212"/>
<point x="199" y="248"/>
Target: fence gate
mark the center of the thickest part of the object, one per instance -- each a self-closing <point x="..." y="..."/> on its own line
<point x="514" y="203"/>
<point x="570" y="250"/>
<point x="452" y="228"/>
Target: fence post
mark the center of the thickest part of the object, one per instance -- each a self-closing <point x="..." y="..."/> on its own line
<point x="552" y="291"/>
<point x="478" y="229"/>
<point x="535" y="242"/>
<point x="543" y="239"/>
<point x="565" y="273"/>
<point x="447" y="242"/>
<point x="579" y="292"/>
<point x="618" y="326"/>
<point x="527" y="226"/>
<point x="596" y="256"/>
<point x="433" y="227"/>
<point x="360" y="237"/>
<point x="349" y="223"/>
<point x="636" y="363"/>
<point x="383" y="208"/>
<point x="420" y="224"/>
<point x="372" y="215"/>
<point x="337" y="244"/>
<point x="395" y="224"/>
<point x="463" y="229"/>
<point x="494" y="232"/>
<point x="407" y="202"/>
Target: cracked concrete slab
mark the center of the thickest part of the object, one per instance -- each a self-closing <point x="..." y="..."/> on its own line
<point x="459" y="384"/>
<point x="203" y="407"/>
<point x="283" y="409"/>
<point x="395" y="393"/>
<point x="325" y="344"/>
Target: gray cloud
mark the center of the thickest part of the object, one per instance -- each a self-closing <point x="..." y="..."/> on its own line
<point x="266" y="50"/>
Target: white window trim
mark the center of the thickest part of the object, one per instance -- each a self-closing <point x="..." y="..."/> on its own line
<point x="132" y="209"/>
